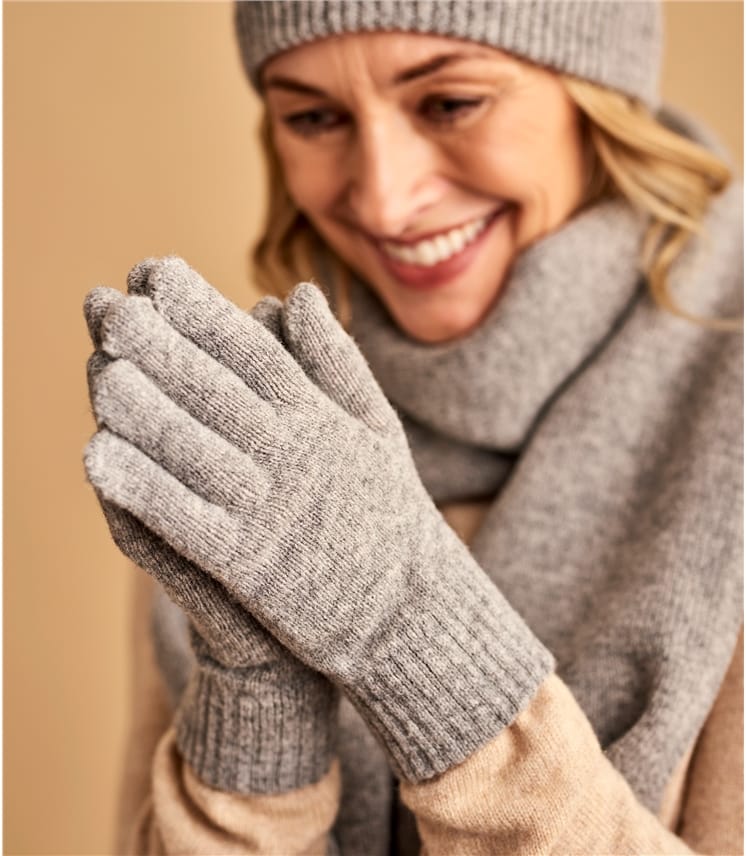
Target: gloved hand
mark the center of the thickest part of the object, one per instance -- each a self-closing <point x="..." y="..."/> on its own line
<point x="286" y="476"/>
<point x="253" y="717"/>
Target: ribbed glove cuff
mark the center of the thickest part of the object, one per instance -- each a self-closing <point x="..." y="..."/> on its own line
<point x="259" y="729"/>
<point x="444" y="679"/>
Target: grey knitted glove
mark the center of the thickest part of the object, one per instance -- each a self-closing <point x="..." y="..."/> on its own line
<point x="253" y="718"/>
<point x="301" y="498"/>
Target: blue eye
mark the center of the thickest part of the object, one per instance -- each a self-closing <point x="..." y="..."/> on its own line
<point x="445" y="110"/>
<point x="309" y="123"/>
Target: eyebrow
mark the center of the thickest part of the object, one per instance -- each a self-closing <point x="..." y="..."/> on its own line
<point x="430" y="66"/>
<point x="435" y="63"/>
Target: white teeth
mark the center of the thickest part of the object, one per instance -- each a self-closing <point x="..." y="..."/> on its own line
<point x="408" y="255"/>
<point x="434" y="250"/>
<point x="426" y="250"/>
<point x="456" y="240"/>
<point x="472" y="231"/>
<point x="443" y="246"/>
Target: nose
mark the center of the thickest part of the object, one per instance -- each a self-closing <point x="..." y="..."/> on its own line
<point x="393" y="175"/>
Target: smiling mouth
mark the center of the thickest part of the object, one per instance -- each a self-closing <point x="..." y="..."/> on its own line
<point x="435" y="250"/>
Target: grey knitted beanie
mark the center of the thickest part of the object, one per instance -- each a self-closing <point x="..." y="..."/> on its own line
<point x="616" y="43"/>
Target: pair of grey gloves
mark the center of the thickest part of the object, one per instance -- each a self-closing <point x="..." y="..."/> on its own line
<point x="251" y="463"/>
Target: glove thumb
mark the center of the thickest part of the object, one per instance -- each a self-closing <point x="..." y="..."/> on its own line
<point x="331" y="359"/>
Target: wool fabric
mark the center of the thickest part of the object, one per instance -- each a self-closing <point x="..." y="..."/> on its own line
<point x="615" y="43"/>
<point x="608" y="433"/>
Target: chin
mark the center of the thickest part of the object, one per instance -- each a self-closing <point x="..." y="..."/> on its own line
<point x="443" y="315"/>
<point x="434" y="328"/>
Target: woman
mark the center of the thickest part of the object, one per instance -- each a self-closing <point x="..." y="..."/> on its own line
<point x="541" y="346"/>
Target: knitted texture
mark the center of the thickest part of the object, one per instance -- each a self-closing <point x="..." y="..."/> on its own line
<point x="301" y="500"/>
<point x="251" y="717"/>
<point x="615" y="43"/>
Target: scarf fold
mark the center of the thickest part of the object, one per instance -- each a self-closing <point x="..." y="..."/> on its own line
<point x="609" y="433"/>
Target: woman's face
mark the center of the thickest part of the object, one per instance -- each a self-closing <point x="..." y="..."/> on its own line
<point x="427" y="164"/>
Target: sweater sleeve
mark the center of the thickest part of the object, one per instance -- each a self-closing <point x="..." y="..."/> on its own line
<point x="712" y="818"/>
<point x="164" y="808"/>
<point x="544" y="786"/>
<point x="183" y="815"/>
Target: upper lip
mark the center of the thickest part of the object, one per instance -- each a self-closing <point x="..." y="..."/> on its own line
<point x="404" y="242"/>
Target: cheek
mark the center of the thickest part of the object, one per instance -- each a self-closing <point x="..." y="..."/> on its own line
<point x="540" y="165"/>
<point x="553" y="147"/>
<point x="309" y="178"/>
<point x="508" y="157"/>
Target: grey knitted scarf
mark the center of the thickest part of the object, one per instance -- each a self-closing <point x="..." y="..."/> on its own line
<point x="607" y="435"/>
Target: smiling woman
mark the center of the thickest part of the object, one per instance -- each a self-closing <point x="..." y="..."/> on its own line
<point x="589" y="143"/>
<point x="505" y="220"/>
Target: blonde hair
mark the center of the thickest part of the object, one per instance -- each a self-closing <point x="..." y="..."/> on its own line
<point x="631" y="155"/>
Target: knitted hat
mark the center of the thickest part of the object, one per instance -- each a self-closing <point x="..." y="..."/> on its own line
<point x="616" y="43"/>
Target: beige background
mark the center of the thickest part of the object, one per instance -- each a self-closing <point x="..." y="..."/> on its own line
<point x="129" y="132"/>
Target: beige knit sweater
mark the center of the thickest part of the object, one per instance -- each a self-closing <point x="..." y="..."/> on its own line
<point x="543" y="785"/>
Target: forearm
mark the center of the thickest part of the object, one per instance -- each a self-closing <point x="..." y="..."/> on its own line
<point x="543" y="785"/>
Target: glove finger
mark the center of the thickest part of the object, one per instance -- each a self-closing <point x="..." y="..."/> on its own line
<point x="95" y="306"/>
<point x="234" y="636"/>
<point x="331" y="358"/>
<point x="201" y="314"/>
<point x="193" y="380"/>
<point x="137" y="278"/>
<point x="204" y="533"/>
<point x="132" y="406"/>
<point x="96" y="363"/>
<point x="268" y="312"/>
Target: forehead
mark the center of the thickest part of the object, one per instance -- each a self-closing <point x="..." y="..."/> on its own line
<point x="378" y="59"/>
